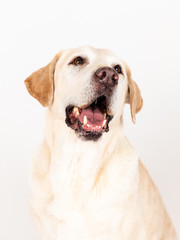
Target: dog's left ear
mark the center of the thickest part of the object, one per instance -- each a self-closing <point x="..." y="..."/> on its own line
<point x="40" y="84"/>
<point x="133" y="96"/>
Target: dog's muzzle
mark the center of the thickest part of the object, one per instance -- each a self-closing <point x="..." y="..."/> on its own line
<point x="93" y="119"/>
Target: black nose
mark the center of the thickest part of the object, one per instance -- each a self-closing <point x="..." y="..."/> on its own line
<point x="107" y="76"/>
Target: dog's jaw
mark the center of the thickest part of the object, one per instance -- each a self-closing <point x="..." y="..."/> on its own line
<point x="91" y="121"/>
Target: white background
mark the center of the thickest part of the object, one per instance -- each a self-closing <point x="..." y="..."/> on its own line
<point x="144" y="33"/>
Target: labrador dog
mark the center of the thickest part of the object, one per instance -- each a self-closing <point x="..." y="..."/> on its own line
<point x="87" y="181"/>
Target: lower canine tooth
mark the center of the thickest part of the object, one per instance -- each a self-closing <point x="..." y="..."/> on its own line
<point x="104" y="122"/>
<point x="85" y="120"/>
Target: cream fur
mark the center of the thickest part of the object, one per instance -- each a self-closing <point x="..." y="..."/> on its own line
<point x="92" y="190"/>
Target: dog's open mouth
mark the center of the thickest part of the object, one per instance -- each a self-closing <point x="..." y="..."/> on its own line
<point x="91" y="121"/>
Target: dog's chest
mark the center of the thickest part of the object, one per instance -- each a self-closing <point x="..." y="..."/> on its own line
<point x="100" y="214"/>
<point x="93" y="201"/>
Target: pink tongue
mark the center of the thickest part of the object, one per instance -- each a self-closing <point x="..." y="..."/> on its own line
<point x="94" y="117"/>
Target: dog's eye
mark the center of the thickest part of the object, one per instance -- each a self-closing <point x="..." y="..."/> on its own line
<point x="117" y="68"/>
<point x="78" y="61"/>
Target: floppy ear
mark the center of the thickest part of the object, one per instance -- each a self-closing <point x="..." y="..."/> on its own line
<point x="133" y="96"/>
<point x="40" y="84"/>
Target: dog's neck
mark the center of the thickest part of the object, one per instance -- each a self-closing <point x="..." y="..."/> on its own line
<point x="78" y="169"/>
<point x="70" y="153"/>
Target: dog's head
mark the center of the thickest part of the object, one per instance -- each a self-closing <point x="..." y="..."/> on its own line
<point x="87" y="87"/>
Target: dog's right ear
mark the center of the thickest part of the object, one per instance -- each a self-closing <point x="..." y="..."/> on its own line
<point x="40" y="84"/>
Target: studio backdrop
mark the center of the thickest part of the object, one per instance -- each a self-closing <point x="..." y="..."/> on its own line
<point x="146" y="34"/>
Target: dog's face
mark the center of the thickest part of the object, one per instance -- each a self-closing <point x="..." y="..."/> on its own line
<point x="87" y="87"/>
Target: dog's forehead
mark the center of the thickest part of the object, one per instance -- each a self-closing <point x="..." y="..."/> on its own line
<point x="90" y="53"/>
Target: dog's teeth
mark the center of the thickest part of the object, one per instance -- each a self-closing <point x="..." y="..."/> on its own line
<point x="85" y="120"/>
<point x="104" y="115"/>
<point x="104" y="122"/>
<point x="76" y="110"/>
<point x="88" y="125"/>
<point x="99" y="126"/>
